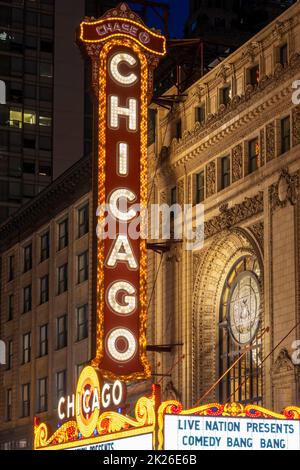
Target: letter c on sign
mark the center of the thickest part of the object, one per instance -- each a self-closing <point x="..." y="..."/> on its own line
<point x="115" y="62"/>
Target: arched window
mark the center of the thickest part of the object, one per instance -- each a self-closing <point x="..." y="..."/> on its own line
<point x="240" y="326"/>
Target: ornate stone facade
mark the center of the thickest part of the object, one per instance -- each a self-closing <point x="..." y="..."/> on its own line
<point x="254" y="219"/>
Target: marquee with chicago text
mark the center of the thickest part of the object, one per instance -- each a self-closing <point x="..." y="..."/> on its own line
<point x="123" y="53"/>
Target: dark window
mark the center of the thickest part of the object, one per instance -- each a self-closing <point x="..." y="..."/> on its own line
<point x="11" y="260"/>
<point x="178" y="129"/>
<point x="31" y="42"/>
<point x="63" y="234"/>
<point x="45" y="94"/>
<point x="5" y="16"/>
<point x="42" y="394"/>
<point x="29" y="91"/>
<point x="25" y="412"/>
<point x="225" y="172"/>
<point x="200" y="187"/>
<point x="30" y="66"/>
<point x="10" y="313"/>
<point x="16" y="66"/>
<point x="26" y="348"/>
<point x="254" y="75"/>
<point x="27" y="258"/>
<point x="8" y="404"/>
<point x="83" y="221"/>
<point x="61" y="384"/>
<point x="285" y="135"/>
<point x="45" y="142"/>
<point x="200" y="114"/>
<point x="173" y="196"/>
<point x="27" y="298"/>
<point x="9" y="355"/>
<point x="43" y="340"/>
<point x="29" y="167"/>
<point x="31" y="18"/>
<point x="253" y="150"/>
<point x="29" y="141"/>
<point x="46" y="70"/>
<point x="46" y="21"/>
<point x="45" y="246"/>
<point x="283" y="55"/>
<point x="62" y="278"/>
<point x="62" y="332"/>
<point x="5" y="64"/>
<point x="82" y="322"/>
<point x="83" y="267"/>
<point x="225" y="95"/>
<point x="28" y="190"/>
<point x="44" y="170"/>
<point x="46" y="45"/>
<point x="15" y="92"/>
<point x="44" y="289"/>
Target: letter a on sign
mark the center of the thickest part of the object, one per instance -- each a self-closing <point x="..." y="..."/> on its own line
<point x="123" y="53"/>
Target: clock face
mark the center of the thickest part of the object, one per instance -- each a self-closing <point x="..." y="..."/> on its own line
<point x="244" y="308"/>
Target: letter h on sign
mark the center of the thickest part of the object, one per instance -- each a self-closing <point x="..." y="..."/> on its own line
<point x="122" y="68"/>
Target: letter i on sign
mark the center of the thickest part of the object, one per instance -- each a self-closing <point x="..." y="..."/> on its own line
<point x="122" y="69"/>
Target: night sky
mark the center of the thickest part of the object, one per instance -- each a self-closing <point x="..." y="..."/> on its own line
<point x="177" y="19"/>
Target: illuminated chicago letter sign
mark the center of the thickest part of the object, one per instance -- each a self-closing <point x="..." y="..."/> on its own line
<point x="124" y="53"/>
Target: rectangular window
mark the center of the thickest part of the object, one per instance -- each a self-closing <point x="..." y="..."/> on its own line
<point x="25" y="412"/>
<point x="254" y="75"/>
<point x="29" y="167"/>
<point x="173" y="195"/>
<point x="10" y="309"/>
<point x="285" y="130"/>
<point x="27" y="258"/>
<point x="283" y="54"/>
<point x="11" y="261"/>
<point x="83" y="267"/>
<point x="178" y="129"/>
<point x="225" y="172"/>
<point x="44" y="289"/>
<point x="27" y="298"/>
<point x="83" y="221"/>
<point x="44" y="170"/>
<point x="253" y="153"/>
<point x="61" y="384"/>
<point x="45" y="142"/>
<point x="29" y="117"/>
<point x="8" y="404"/>
<point x="9" y="355"/>
<point x="45" y="246"/>
<point x="43" y="340"/>
<point x="200" y="114"/>
<point x="82" y="322"/>
<point x="200" y="187"/>
<point x="46" y="70"/>
<point x="62" y="279"/>
<point x="29" y="142"/>
<point x="42" y="394"/>
<point x="62" y="332"/>
<point x="15" y="118"/>
<point x="26" y="348"/>
<point x="63" y="234"/>
<point x="45" y="121"/>
<point x="225" y="95"/>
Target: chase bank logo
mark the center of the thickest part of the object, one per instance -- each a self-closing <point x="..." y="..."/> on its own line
<point x="2" y="353"/>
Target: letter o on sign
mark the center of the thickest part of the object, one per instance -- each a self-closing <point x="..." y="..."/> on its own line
<point x="121" y="345"/>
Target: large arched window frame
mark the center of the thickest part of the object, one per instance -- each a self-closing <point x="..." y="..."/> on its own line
<point x="243" y="384"/>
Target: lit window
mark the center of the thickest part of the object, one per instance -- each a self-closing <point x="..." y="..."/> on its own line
<point x="45" y="121"/>
<point x="15" y="118"/>
<point x="29" y="117"/>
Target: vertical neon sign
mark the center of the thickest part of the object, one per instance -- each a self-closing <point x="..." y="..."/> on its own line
<point x="124" y="53"/>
